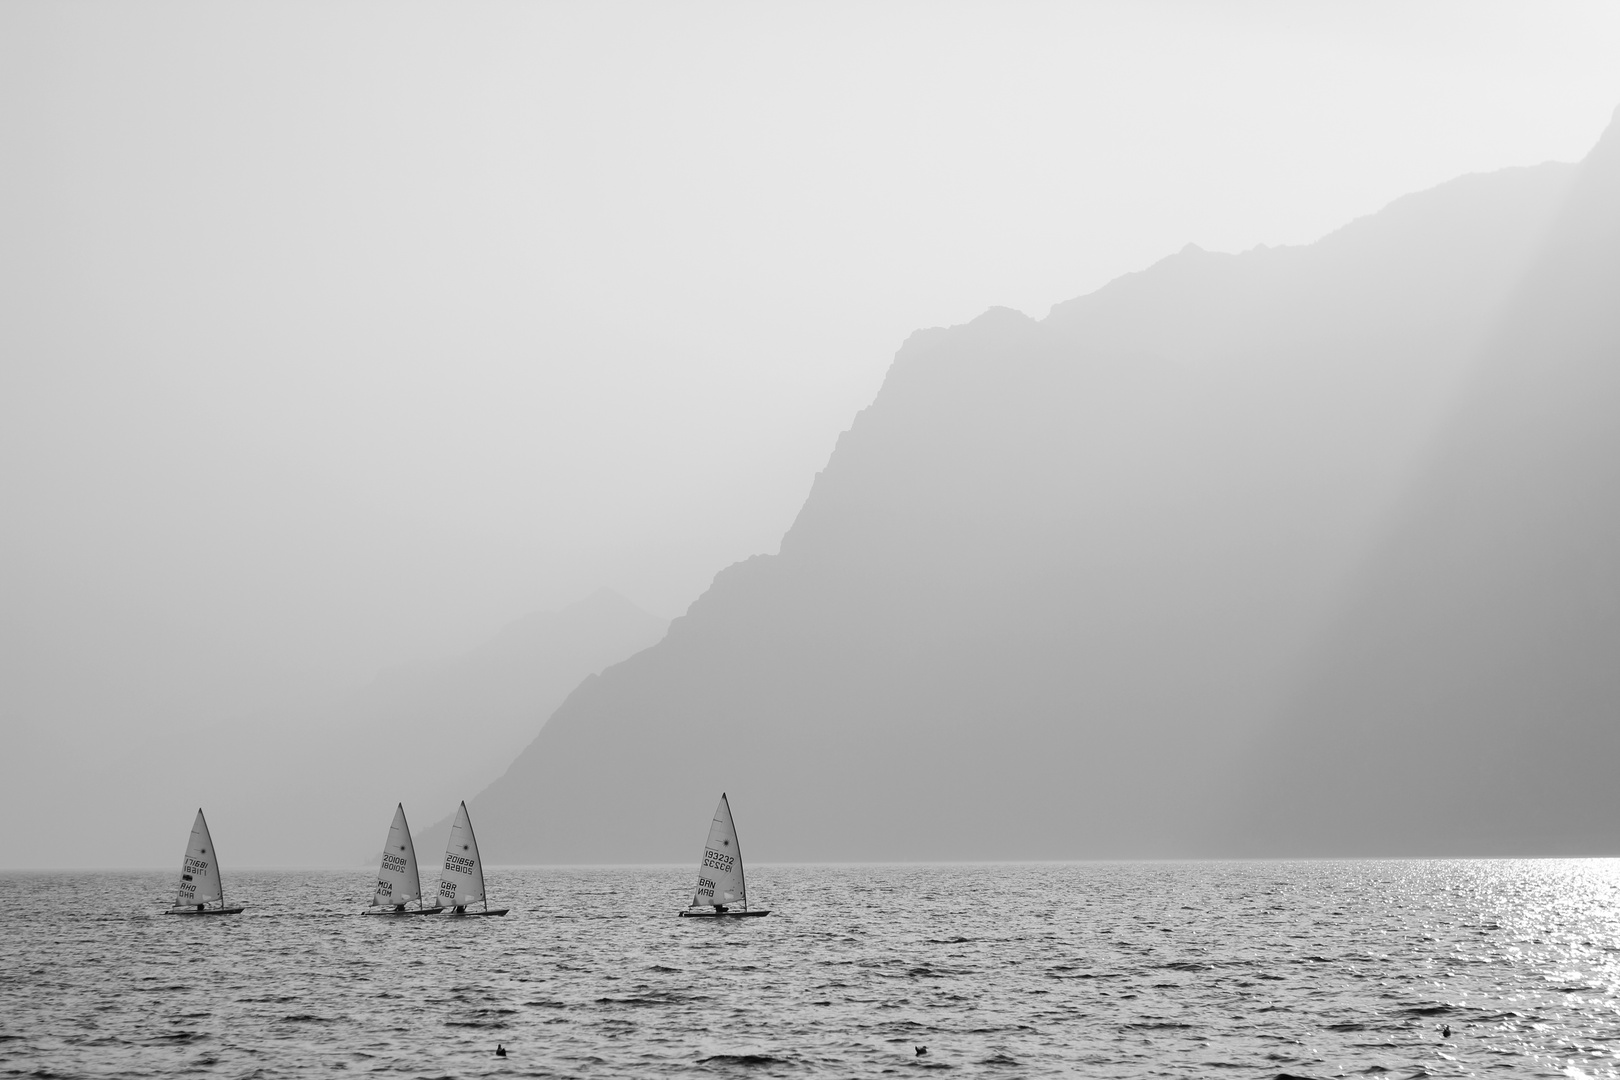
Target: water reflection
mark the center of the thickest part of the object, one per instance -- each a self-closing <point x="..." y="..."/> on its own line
<point x="1092" y="969"/>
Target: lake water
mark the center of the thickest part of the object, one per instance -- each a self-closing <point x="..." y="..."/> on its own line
<point x="1089" y="969"/>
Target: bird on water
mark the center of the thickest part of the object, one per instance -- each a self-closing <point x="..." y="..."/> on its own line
<point x="500" y="1051"/>
<point x="921" y="1050"/>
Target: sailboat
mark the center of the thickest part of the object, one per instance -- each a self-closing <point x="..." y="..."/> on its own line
<point x="720" y="876"/>
<point x="398" y="882"/>
<point x="461" y="882"/>
<point x="202" y="890"/>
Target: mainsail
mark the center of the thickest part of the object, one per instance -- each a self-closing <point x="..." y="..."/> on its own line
<point x="199" y="874"/>
<point x="397" y="879"/>
<point x="461" y="882"/>
<point x="720" y="877"/>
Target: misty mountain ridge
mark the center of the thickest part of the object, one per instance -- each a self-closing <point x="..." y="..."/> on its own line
<point x="1057" y="586"/>
<point x="327" y="771"/>
<point x="1469" y="698"/>
<point x="510" y="683"/>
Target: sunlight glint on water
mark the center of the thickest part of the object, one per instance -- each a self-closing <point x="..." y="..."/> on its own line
<point x="1099" y="969"/>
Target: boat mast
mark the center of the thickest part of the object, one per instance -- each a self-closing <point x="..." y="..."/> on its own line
<point x="482" y="887"/>
<point x="416" y="867"/>
<point x="220" y="873"/>
<point x="742" y="876"/>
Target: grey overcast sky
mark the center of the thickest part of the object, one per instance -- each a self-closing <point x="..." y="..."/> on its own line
<point x="336" y="335"/>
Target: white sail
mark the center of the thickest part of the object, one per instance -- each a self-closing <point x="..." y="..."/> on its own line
<point x="720" y="876"/>
<point x="397" y="879"/>
<point x="199" y="874"/>
<point x="461" y="882"/>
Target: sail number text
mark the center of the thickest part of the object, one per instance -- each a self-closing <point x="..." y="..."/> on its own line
<point x="393" y="864"/>
<point x="716" y="861"/>
<point x="459" y="865"/>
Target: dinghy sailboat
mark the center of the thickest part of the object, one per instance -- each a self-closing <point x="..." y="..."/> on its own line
<point x="461" y="882"/>
<point x="202" y="890"/>
<point x="720" y="884"/>
<point x="398" y="882"/>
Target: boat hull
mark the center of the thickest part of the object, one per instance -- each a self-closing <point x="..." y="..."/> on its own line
<point x="407" y="911"/>
<point x="205" y="911"/>
<point x="469" y="914"/>
<point x="722" y="914"/>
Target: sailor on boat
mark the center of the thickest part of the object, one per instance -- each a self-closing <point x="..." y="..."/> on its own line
<point x="461" y="882"/>
<point x="398" y="881"/>
<point x="200" y="882"/>
<point x="720" y="884"/>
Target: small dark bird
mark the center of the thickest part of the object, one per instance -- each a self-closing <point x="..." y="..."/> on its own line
<point x="500" y="1051"/>
<point x="1445" y="1031"/>
<point x="921" y="1050"/>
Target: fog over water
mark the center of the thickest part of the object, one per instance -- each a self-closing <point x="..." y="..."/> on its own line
<point x="339" y="345"/>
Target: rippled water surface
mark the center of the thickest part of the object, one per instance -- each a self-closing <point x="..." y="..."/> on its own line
<point x="1091" y="969"/>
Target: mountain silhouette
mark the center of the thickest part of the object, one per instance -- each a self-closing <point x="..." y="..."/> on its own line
<point x="327" y="773"/>
<point x="1060" y="578"/>
<point x="1468" y="699"/>
<point x="502" y="691"/>
<point x="425" y="733"/>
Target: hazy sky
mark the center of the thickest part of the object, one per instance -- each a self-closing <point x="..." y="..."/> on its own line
<point x="337" y="334"/>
